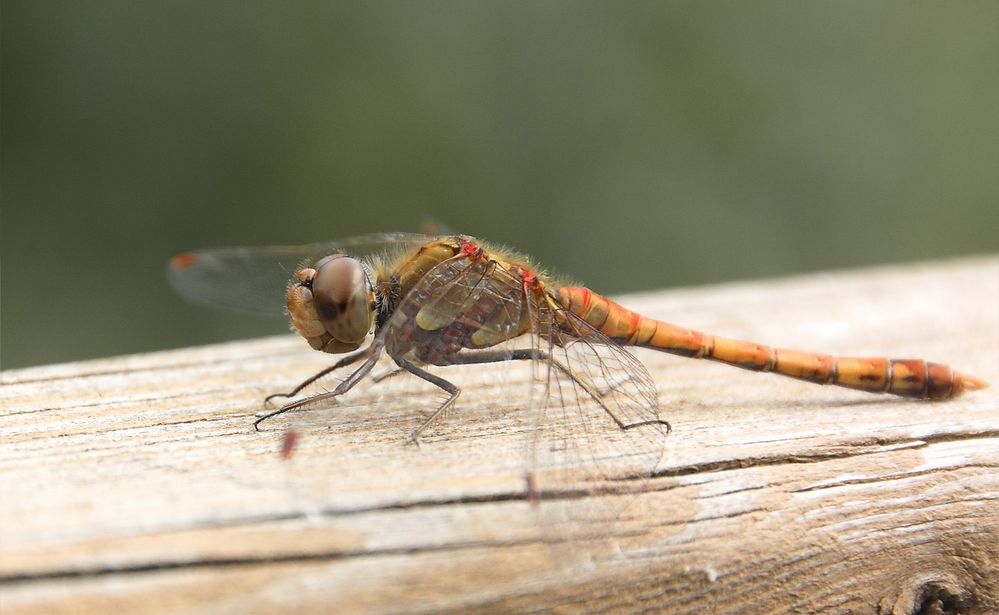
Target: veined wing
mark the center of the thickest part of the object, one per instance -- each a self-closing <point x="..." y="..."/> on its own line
<point x="599" y="431"/>
<point x="596" y="390"/>
<point x="468" y="297"/>
<point x="255" y="278"/>
<point x="591" y="406"/>
<point x="594" y="403"/>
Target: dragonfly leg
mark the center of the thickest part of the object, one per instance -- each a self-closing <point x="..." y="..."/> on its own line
<point x="385" y="375"/>
<point x="450" y="388"/>
<point x="598" y="397"/>
<point x="356" y="376"/>
<point x="528" y="354"/>
<point x="345" y="361"/>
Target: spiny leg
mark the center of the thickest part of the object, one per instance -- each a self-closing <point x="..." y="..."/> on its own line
<point x="356" y="376"/>
<point x="385" y="375"/>
<point x="344" y="362"/>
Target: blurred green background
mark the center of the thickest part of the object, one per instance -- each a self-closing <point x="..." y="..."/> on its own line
<point x="634" y="145"/>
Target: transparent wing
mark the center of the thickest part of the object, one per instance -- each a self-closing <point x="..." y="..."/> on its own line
<point x="460" y="302"/>
<point x="592" y="407"/>
<point x="598" y="400"/>
<point x="599" y="438"/>
<point x="255" y="278"/>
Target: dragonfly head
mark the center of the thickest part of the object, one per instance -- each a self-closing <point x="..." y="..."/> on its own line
<point x="332" y="305"/>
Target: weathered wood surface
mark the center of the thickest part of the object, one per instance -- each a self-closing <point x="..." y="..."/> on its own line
<point x="137" y="483"/>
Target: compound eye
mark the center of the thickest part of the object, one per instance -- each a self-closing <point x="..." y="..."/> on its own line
<point x="343" y="298"/>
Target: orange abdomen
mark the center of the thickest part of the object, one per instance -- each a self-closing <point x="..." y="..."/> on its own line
<point x="914" y="378"/>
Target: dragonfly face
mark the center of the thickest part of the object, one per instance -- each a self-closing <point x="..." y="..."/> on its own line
<point x="333" y="304"/>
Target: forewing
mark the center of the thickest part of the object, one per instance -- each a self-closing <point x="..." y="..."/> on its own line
<point x="474" y="297"/>
<point x="255" y="278"/>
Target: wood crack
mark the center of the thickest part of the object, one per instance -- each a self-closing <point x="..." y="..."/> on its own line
<point x="864" y="448"/>
<point x="159" y="502"/>
<point x="229" y="562"/>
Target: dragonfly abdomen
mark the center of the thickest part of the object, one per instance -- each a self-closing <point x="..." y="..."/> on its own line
<point x="913" y="378"/>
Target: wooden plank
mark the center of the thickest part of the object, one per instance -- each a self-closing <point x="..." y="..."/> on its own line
<point x="137" y="483"/>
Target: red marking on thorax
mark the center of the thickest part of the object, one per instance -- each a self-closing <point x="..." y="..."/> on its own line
<point x="528" y="276"/>
<point x="471" y="249"/>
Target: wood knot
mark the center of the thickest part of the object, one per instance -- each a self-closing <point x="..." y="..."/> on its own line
<point x="932" y="593"/>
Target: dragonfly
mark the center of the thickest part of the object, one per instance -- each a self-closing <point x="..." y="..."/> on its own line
<point x="454" y="300"/>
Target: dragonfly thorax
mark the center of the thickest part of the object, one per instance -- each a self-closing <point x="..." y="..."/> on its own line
<point x="333" y="304"/>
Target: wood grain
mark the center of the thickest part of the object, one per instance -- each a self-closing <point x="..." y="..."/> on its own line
<point x="137" y="483"/>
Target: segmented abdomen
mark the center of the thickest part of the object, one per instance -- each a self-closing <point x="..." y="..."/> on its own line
<point x="914" y="378"/>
